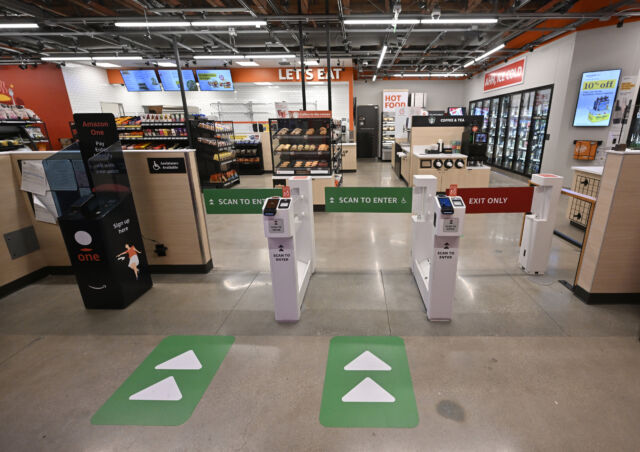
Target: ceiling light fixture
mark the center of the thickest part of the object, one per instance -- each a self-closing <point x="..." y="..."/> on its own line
<point x="62" y="58"/>
<point x="152" y="24"/>
<point x="487" y="20"/>
<point x="23" y="25"/>
<point x="248" y="63"/>
<point x="219" y="57"/>
<point x="311" y="63"/>
<point x="107" y="65"/>
<point x="384" y="50"/>
<point x="375" y="76"/>
<point x="166" y="64"/>
<point x="229" y="23"/>
<point x="484" y="55"/>
<point x="469" y="63"/>
<point x="431" y="74"/>
<point x="119" y="58"/>
<point x="270" y="56"/>
<point x="263" y="83"/>
<point x="381" y="21"/>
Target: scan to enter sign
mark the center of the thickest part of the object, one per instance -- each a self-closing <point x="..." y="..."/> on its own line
<point x="368" y="199"/>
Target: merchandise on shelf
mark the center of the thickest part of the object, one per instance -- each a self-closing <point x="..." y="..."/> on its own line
<point x="217" y="162"/>
<point x="17" y="113"/>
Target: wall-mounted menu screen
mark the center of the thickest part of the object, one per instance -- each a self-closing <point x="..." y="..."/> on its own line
<point x="171" y="81"/>
<point x="596" y="97"/>
<point x="215" y="80"/>
<point x="145" y="80"/>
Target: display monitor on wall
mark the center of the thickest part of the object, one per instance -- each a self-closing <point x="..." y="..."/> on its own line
<point x="456" y="111"/>
<point x="215" y="80"/>
<point x="596" y="98"/>
<point x="145" y="80"/>
<point x="171" y="81"/>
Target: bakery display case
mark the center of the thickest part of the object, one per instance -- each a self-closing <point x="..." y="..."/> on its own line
<point x="302" y="146"/>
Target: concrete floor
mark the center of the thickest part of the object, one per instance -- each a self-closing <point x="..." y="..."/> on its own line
<point x="524" y="365"/>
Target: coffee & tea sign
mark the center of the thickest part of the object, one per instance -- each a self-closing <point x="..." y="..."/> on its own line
<point x="507" y="75"/>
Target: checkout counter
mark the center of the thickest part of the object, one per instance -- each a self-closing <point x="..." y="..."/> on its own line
<point x="419" y="154"/>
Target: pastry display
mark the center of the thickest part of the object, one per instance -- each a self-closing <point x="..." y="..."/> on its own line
<point x="282" y="132"/>
<point x="310" y="131"/>
<point x="323" y="131"/>
<point x="296" y="132"/>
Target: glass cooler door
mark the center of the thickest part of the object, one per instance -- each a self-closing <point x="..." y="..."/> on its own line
<point x="541" y="107"/>
<point x="524" y="127"/>
<point x="501" y="136"/>
<point x="512" y="131"/>
<point x="492" y="127"/>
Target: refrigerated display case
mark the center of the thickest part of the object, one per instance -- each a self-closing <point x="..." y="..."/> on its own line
<point x="503" y="125"/>
<point x="492" y="128"/>
<point x="516" y="124"/>
<point x="541" y="107"/>
<point x="633" y="140"/>
<point x="302" y="146"/>
<point x="524" y="129"/>
<point x="388" y="134"/>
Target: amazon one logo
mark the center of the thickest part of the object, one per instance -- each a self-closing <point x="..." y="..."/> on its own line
<point x="86" y="254"/>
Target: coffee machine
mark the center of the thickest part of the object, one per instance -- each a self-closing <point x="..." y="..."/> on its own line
<point x="474" y="145"/>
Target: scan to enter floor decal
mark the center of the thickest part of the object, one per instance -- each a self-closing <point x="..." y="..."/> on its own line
<point x="167" y="386"/>
<point x="368" y="384"/>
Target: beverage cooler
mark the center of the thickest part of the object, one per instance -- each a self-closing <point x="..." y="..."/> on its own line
<point x="633" y="141"/>
<point x="516" y="124"/>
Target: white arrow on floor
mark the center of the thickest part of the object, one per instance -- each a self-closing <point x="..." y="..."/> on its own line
<point x="367" y="361"/>
<point x="164" y="390"/>
<point x="368" y="391"/>
<point x="184" y="361"/>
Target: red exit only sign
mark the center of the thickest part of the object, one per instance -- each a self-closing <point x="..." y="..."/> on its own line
<point x="497" y="199"/>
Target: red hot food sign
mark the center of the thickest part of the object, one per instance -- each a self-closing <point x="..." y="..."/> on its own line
<point x="497" y="199"/>
<point x="507" y="75"/>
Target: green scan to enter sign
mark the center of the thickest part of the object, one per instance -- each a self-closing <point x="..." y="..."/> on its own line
<point x="368" y="199"/>
<point x="237" y="200"/>
<point x="368" y="384"/>
<point x="166" y="388"/>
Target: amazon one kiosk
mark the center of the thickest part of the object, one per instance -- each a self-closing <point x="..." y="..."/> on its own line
<point x="100" y="226"/>
<point x="437" y="226"/>
<point x="289" y="229"/>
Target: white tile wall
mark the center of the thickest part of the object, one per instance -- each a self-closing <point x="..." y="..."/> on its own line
<point x="87" y="86"/>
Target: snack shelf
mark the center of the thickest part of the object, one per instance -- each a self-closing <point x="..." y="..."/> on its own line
<point x="215" y="152"/>
<point x="153" y="138"/>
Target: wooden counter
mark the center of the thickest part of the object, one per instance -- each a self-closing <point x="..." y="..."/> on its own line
<point x="349" y="157"/>
<point x="608" y="271"/>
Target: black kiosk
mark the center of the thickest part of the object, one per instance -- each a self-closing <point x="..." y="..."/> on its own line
<point x="100" y="228"/>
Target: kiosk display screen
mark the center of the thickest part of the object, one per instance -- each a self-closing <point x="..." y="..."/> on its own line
<point x="141" y="80"/>
<point x="171" y="81"/>
<point x="456" y="111"/>
<point x="215" y="80"/>
<point x="480" y="138"/>
<point x="596" y="98"/>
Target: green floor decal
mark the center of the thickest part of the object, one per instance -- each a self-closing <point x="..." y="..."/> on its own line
<point x="368" y="384"/>
<point x="167" y="386"/>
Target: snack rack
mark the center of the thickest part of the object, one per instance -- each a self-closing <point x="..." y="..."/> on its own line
<point x="153" y="131"/>
<point x="302" y="146"/>
<point x="216" y="156"/>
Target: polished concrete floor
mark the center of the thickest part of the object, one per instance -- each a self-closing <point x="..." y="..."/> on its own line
<point x="524" y="365"/>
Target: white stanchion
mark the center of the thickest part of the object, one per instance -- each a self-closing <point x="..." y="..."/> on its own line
<point x="538" y="226"/>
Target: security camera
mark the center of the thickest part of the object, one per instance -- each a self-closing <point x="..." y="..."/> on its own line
<point x="422" y="4"/>
<point x="93" y="63"/>
<point x="436" y="13"/>
<point x="365" y="63"/>
<point x="620" y="23"/>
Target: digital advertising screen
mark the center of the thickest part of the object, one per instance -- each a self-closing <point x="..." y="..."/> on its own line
<point x="145" y="80"/>
<point x="215" y="80"/>
<point x="171" y="82"/>
<point x="596" y="98"/>
<point x="456" y="111"/>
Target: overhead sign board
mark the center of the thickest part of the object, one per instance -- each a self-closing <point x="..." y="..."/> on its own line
<point x="508" y="75"/>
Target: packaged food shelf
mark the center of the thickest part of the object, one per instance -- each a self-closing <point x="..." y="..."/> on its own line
<point x="215" y="152"/>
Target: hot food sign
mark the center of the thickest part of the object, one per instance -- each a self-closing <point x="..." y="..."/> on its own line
<point x="507" y="75"/>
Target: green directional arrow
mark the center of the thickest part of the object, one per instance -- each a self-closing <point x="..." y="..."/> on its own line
<point x="368" y="384"/>
<point x="167" y="386"/>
